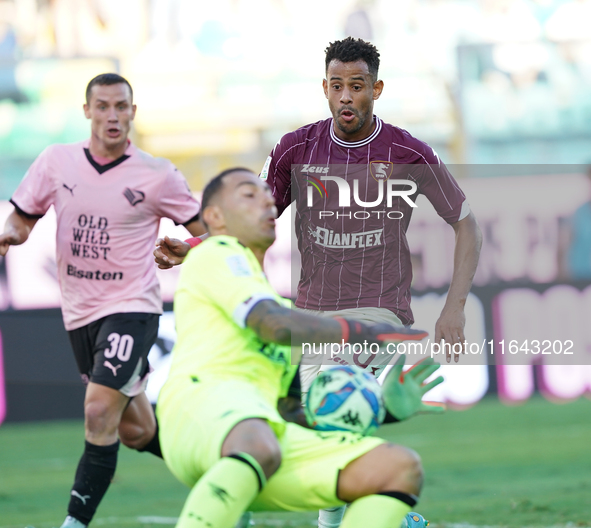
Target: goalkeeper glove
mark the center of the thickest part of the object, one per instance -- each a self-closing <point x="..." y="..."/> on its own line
<point x="403" y="391"/>
<point x="357" y="332"/>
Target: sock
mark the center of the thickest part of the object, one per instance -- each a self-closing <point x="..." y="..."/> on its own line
<point x="153" y="446"/>
<point x="331" y="517"/>
<point x="223" y="493"/>
<point x="377" y="511"/>
<point x="93" y="477"/>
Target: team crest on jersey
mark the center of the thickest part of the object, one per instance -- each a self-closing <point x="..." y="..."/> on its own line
<point x="381" y="170"/>
<point x="134" y="196"/>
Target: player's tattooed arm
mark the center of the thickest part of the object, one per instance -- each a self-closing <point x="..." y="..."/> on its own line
<point x="274" y="323"/>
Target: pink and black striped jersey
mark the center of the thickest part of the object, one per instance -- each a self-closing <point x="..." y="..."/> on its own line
<point x="354" y="201"/>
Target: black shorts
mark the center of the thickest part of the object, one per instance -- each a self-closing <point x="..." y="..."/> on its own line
<point x="113" y="351"/>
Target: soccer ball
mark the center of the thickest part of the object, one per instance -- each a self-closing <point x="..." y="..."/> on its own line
<point x="345" y="398"/>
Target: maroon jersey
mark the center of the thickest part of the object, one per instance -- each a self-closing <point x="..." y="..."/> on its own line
<point x="354" y="201"/>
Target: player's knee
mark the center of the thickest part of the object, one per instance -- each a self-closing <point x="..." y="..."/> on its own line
<point x="257" y="439"/>
<point x="404" y="471"/>
<point x="99" y="418"/>
<point x="268" y="455"/>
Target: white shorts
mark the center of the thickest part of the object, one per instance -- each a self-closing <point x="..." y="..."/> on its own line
<point x="373" y="363"/>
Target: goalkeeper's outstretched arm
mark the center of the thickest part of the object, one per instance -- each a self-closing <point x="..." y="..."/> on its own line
<point x="274" y="323"/>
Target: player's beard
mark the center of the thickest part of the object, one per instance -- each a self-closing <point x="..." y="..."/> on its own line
<point x="361" y="119"/>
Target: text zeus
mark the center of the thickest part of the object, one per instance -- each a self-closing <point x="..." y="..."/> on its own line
<point x="345" y="192"/>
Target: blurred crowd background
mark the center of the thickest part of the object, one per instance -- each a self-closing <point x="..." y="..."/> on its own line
<point x="217" y="83"/>
<point x="500" y="88"/>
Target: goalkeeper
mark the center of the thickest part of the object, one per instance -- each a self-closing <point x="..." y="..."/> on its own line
<point x="221" y="432"/>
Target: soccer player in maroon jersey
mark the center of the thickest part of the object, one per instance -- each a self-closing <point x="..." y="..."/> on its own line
<point x="352" y="231"/>
<point x="355" y="256"/>
<point x="109" y="197"/>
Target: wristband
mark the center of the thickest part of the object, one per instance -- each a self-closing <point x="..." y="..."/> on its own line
<point x="194" y="241"/>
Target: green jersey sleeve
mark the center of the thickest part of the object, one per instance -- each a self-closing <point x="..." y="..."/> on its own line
<point x="230" y="277"/>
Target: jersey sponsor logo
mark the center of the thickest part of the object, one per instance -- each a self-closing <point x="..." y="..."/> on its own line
<point x="73" y="271"/>
<point x="381" y="170"/>
<point x="306" y="167"/>
<point x="71" y="189"/>
<point x="265" y="172"/>
<point x="90" y="238"/>
<point x="239" y="266"/>
<point x="328" y="238"/>
<point x="134" y="196"/>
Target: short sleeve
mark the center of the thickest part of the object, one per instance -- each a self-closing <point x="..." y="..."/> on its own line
<point x="440" y="187"/>
<point x="228" y="277"/>
<point x="277" y="171"/>
<point x="175" y="200"/>
<point x="36" y="192"/>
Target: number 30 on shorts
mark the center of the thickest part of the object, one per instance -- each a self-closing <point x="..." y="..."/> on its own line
<point x="121" y="346"/>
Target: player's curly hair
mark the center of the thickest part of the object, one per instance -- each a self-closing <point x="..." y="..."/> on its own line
<point x="106" y="79"/>
<point x="351" y="50"/>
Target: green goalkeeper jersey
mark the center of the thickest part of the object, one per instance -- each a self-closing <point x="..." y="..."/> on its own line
<point x="220" y="282"/>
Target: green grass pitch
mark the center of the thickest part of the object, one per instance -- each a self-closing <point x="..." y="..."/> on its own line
<point x="491" y="465"/>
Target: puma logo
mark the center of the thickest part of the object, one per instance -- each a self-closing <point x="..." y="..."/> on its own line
<point x="83" y="498"/>
<point x="114" y="369"/>
<point x="70" y="189"/>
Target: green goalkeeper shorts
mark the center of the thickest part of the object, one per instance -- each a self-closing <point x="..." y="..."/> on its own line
<point x="195" y="419"/>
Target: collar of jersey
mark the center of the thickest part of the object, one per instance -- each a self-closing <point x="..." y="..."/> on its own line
<point x="355" y="144"/>
<point x="229" y="240"/>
